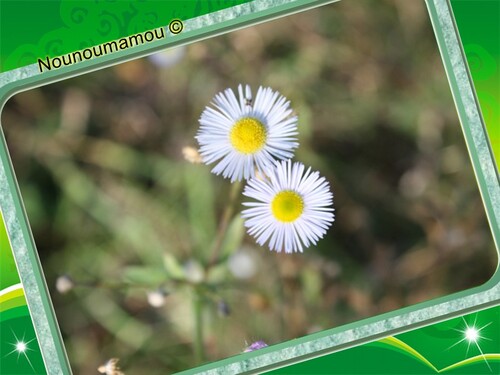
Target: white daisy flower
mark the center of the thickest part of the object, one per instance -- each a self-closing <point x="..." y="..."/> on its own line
<point x="293" y="208"/>
<point x="246" y="135"/>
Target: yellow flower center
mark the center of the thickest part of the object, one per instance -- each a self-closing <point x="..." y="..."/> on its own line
<point x="248" y="135"/>
<point x="287" y="206"/>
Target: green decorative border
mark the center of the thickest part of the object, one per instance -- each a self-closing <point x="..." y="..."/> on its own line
<point x="469" y="344"/>
<point x="303" y="348"/>
<point x="65" y="26"/>
<point x="15" y="319"/>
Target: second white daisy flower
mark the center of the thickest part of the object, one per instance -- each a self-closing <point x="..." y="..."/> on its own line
<point x="244" y="135"/>
<point x="293" y="208"/>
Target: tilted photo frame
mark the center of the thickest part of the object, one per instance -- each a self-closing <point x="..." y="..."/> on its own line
<point x="36" y="305"/>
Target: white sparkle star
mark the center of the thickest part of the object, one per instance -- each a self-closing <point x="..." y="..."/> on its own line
<point x="471" y="334"/>
<point x="21" y="347"/>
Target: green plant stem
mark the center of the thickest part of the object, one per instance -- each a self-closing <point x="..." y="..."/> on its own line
<point x="199" y="348"/>
<point x="226" y="217"/>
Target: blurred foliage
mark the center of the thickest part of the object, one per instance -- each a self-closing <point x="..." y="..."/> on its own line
<point x="113" y="203"/>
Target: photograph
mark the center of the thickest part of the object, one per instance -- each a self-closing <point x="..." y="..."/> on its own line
<point x="248" y="189"/>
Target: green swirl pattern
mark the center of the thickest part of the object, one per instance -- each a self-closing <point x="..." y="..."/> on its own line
<point x="74" y="25"/>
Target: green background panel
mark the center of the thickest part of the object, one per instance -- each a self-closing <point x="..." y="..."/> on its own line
<point x="16" y="327"/>
<point x="8" y="270"/>
<point x="478" y="22"/>
<point x="54" y="28"/>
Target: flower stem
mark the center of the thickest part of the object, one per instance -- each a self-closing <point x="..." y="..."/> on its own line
<point x="226" y="217"/>
<point x="199" y="348"/>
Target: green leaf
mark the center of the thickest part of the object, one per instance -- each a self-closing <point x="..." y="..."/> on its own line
<point x="217" y="273"/>
<point x="144" y="275"/>
<point x="172" y="266"/>
<point x="311" y="284"/>
<point x="201" y="205"/>
<point x="233" y="237"/>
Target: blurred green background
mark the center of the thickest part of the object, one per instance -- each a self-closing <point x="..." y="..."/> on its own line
<point x="114" y="205"/>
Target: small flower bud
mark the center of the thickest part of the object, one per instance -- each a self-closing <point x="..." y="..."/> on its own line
<point x="255" y="346"/>
<point x="192" y="155"/>
<point x="64" y="284"/>
<point x="156" y="298"/>
<point x="168" y="58"/>
<point x="193" y="271"/>
<point x="223" y="308"/>
<point x="110" y="367"/>
<point x="242" y="264"/>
